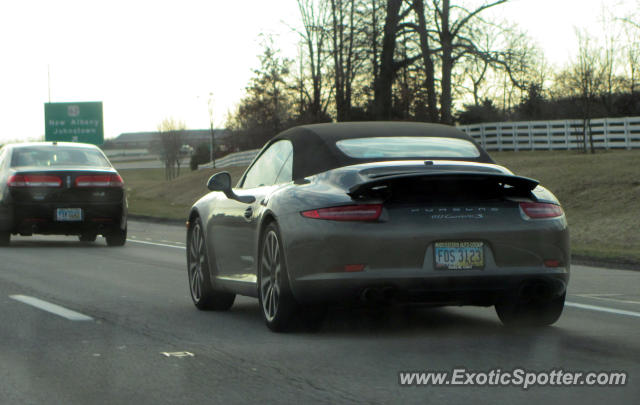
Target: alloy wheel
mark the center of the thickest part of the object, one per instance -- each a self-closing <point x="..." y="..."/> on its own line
<point x="270" y="275"/>
<point x="196" y="263"/>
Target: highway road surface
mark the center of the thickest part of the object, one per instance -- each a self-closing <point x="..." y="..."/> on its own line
<point x="84" y="324"/>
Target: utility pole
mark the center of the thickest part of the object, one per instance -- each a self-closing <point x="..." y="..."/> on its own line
<point x="212" y="142"/>
<point x="49" y="81"/>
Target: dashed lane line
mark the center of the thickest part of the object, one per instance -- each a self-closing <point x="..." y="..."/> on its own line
<point x="156" y="244"/>
<point x="51" y="308"/>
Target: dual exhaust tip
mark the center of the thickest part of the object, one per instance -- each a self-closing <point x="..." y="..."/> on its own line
<point x="537" y="291"/>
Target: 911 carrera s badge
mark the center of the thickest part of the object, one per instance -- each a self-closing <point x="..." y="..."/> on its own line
<point x="455" y="212"/>
<point x="458" y="216"/>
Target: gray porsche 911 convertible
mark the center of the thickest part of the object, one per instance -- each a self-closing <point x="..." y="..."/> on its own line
<point x="383" y="212"/>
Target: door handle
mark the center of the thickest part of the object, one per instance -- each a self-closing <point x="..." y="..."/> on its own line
<point x="248" y="213"/>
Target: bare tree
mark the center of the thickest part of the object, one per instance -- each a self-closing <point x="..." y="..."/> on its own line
<point x="345" y="53"/>
<point x="427" y="55"/>
<point x="374" y="36"/>
<point x="632" y="56"/>
<point x="454" y="44"/>
<point x="476" y="67"/>
<point x="314" y="36"/>
<point x="587" y="76"/>
<point x="447" y="38"/>
<point x="631" y="29"/>
<point x="171" y="137"/>
<point x="388" y="65"/>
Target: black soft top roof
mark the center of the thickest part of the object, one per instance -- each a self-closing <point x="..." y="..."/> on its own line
<point x="315" y="150"/>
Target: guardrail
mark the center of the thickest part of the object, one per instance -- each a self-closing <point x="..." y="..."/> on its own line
<point x="608" y="133"/>
<point x="233" y="159"/>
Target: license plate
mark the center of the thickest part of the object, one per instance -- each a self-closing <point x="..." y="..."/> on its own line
<point x="68" y="214"/>
<point x="459" y="255"/>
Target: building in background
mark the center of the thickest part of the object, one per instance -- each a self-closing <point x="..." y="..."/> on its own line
<point x="151" y="141"/>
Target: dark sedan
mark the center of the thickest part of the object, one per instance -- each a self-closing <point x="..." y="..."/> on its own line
<point x="61" y="189"/>
<point x="383" y="212"/>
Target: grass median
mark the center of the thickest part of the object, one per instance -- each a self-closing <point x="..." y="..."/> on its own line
<point x="600" y="194"/>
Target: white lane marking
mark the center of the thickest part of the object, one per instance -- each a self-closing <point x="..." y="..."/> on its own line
<point x="51" y="308"/>
<point x="156" y="244"/>
<point x="607" y="297"/>
<point x="177" y="354"/>
<point x="602" y="309"/>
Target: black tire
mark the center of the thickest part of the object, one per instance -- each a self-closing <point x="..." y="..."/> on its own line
<point x="5" y="238"/>
<point x="116" y="237"/>
<point x="277" y="304"/>
<point x="517" y="312"/>
<point x="203" y="294"/>
<point x="88" y="237"/>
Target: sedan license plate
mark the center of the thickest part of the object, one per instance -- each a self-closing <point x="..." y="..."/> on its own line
<point x="459" y="255"/>
<point x="68" y="214"/>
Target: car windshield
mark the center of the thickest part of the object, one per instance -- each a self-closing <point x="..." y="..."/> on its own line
<point x="407" y="147"/>
<point x="56" y="156"/>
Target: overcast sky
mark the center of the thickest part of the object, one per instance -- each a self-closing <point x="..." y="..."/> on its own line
<point x="147" y="60"/>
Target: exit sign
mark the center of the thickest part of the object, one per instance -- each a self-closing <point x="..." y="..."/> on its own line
<point x="74" y="122"/>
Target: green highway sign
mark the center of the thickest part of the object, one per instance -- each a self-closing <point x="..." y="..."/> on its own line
<point x="74" y="122"/>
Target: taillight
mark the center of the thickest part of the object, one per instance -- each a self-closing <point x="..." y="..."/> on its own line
<point x="34" y="180"/>
<point x="541" y="210"/>
<point x="100" y="180"/>
<point x="366" y="212"/>
<point x="552" y="263"/>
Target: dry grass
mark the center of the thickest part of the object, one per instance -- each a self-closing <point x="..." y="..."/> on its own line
<point x="149" y="193"/>
<point x="600" y="194"/>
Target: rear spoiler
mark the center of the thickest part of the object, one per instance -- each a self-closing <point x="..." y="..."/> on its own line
<point x="517" y="182"/>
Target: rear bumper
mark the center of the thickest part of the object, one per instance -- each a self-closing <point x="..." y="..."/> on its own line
<point x="400" y="256"/>
<point x="40" y="218"/>
<point x="442" y="287"/>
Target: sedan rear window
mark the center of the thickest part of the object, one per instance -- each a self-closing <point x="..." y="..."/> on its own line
<point x="57" y="156"/>
<point x="407" y="147"/>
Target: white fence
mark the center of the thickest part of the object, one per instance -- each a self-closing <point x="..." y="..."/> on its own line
<point x="608" y="133"/>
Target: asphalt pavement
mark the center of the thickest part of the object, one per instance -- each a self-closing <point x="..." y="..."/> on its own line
<point x="84" y="324"/>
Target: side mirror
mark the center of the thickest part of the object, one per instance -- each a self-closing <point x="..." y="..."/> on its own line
<point x="222" y="182"/>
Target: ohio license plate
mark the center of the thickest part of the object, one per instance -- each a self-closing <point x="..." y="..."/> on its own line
<point x="459" y="255"/>
<point x="68" y="214"/>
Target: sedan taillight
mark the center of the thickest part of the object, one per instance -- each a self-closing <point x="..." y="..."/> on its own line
<point x="100" y="180"/>
<point x="541" y="210"/>
<point x="34" y="180"/>
<point x="365" y="212"/>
